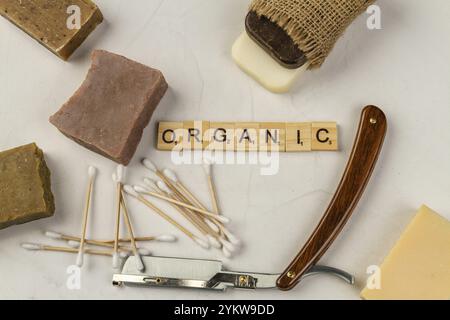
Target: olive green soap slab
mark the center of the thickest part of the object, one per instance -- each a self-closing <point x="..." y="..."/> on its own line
<point x="25" y="187"/>
<point x="51" y="22"/>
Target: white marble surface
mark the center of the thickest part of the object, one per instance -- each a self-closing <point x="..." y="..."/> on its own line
<point x="403" y="68"/>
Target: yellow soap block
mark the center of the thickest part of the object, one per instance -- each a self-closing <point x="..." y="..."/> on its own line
<point x="418" y="267"/>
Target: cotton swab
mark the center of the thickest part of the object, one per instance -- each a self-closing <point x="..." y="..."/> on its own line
<point x="187" y="194"/>
<point x="170" y="175"/>
<point x="117" y="178"/>
<point x="144" y="191"/>
<point x="121" y="203"/>
<point x="160" y="238"/>
<point x="41" y="247"/>
<point x="231" y="237"/>
<point x="212" y="225"/>
<point x="214" y="242"/>
<point x="152" y="168"/>
<point x="173" y="178"/>
<point x="232" y="240"/>
<point x="149" y="165"/>
<point x="59" y="236"/>
<point x="226" y="253"/>
<point x="199" y="241"/>
<point x="139" y="264"/>
<point x="160" y="175"/>
<point x="219" y="228"/>
<point x="165" y="238"/>
<point x="151" y="184"/>
<point x="55" y="235"/>
<point x="142" y="251"/>
<point x="226" y="244"/>
<point x="163" y="187"/>
<point x="130" y="191"/>
<point x="212" y="190"/>
<point x="194" y="219"/>
<point x="92" y="173"/>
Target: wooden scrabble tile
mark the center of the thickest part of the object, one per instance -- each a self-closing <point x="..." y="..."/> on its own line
<point x="272" y="136"/>
<point x="170" y="135"/>
<point x="324" y="136"/>
<point x="221" y="136"/>
<point x="298" y="136"/>
<point x="195" y="137"/>
<point x="246" y="136"/>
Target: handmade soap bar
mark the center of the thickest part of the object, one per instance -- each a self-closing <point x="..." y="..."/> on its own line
<point x="253" y="60"/>
<point x="418" y="267"/>
<point x="110" y="110"/>
<point x="25" y="188"/>
<point x="52" y="23"/>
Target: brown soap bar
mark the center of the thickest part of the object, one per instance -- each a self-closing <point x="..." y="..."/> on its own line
<point x="274" y="40"/>
<point x="46" y="21"/>
<point x="25" y="188"/>
<point x="110" y="110"/>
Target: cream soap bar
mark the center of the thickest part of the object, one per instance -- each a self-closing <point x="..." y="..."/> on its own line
<point x="418" y="267"/>
<point x="260" y="66"/>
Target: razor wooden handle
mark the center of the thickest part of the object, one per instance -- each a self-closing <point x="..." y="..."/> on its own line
<point x="367" y="147"/>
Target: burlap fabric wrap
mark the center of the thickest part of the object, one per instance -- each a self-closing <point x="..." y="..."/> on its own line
<point x="314" y="25"/>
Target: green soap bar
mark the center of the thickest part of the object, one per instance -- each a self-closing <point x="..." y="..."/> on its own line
<point x="47" y="21"/>
<point x="25" y="187"/>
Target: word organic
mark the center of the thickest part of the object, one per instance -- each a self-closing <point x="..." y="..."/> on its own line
<point x="247" y="136"/>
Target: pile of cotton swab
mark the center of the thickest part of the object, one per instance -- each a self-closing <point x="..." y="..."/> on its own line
<point x="117" y="248"/>
<point x="209" y="225"/>
<point x="130" y="191"/>
<point x="165" y="185"/>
